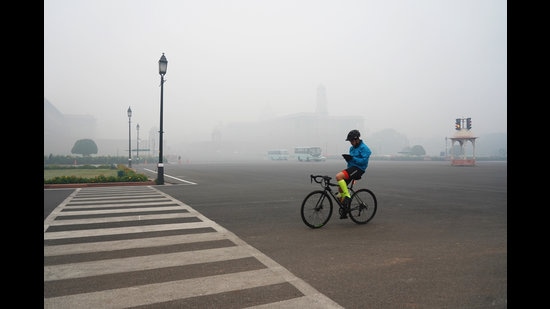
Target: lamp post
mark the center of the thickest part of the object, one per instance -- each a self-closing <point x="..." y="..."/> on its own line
<point x="129" y="137"/>
<point x="137" y="141"/>
<point x="445" y="147"/>
<point x="163" y="63"/>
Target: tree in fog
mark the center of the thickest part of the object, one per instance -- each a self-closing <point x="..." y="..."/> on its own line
<point x="85" y="147"/>
<point x="418" y="150"/>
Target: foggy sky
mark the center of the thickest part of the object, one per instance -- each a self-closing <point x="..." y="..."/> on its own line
<point x="410" y="65"/>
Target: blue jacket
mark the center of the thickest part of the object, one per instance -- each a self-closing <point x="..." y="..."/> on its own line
<point x="361" y="155"/>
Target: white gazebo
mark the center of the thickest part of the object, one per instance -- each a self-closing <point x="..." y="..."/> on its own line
<point x="463" y="136"/>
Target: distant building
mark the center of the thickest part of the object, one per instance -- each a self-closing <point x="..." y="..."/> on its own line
<point x="232" y="140"/>
<point x="243" y="139"/>
<point x="322" y="108"/>
<point x="62" y="131"/>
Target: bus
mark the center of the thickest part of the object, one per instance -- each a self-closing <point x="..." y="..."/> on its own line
<point x="277" y="154"/>
<point x="309" y="154"/>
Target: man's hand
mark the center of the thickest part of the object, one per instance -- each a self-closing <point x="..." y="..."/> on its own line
<point x="347" y="157"/>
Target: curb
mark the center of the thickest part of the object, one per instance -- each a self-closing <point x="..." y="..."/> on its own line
<point x="98" y="184"/>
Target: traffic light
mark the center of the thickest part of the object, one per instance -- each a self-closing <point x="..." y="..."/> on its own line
<point x="457" y="124"/>
<point x="469" y="123"/>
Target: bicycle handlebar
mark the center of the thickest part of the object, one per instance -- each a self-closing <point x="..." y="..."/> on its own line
<point x="321" y="178"/>
<point x="324" y="180"/>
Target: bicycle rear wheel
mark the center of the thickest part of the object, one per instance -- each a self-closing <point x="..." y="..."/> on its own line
<point x="363" y="206"/>
<point x="316" y="209"/>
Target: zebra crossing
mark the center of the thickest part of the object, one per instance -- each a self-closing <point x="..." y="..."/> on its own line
<point x="137" y="247"/>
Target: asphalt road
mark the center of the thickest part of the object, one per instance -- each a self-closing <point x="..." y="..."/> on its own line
<point x="438" y="240"/>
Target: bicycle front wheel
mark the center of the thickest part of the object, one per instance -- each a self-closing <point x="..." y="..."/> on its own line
<point x="316" y="209"/>
<point x="363" y="206"/>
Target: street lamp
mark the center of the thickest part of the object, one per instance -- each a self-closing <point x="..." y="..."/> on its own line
<point x="129" y="137"/>
<point x="137" y="154"/>
<point x="163" y="63"/>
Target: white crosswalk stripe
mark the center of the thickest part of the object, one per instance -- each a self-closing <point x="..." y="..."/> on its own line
<point x="121" y="247"/>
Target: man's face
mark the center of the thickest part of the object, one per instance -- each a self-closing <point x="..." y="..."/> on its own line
<point x="354" y="142"/>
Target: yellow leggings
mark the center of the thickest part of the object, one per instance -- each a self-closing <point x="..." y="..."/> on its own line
<point x="344" y="188"/>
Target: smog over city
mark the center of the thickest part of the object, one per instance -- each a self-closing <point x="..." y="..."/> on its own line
<point x="272" y="74"/>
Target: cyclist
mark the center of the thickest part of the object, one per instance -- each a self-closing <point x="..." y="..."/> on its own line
<point x="357" y="164"/>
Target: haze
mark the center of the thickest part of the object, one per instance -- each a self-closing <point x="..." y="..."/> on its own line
<point x="413" y="66"/>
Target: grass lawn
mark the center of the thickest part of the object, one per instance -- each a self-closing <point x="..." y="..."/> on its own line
<point x="84" y="173"/>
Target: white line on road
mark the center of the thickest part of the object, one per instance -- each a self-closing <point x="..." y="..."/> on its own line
<point x="176" y="178"/>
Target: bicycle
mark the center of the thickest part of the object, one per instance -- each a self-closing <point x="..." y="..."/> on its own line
<point x="317" y="206"/>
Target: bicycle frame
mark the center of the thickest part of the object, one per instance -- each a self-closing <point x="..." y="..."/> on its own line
<point x="327" y="186"/>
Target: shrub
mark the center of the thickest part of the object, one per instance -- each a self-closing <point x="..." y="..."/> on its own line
<point x="124" y="174"/>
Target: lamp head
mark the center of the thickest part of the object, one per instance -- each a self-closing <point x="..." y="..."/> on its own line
<point x="163" y="64"/>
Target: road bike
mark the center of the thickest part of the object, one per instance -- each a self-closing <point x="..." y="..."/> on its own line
<point x="317" y="206"/>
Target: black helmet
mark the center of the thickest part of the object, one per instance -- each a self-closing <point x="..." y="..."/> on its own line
<point x="353" y="134"/>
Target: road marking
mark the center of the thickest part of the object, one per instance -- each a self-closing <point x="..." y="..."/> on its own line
<point x="99" y="233"/>
<point x="176" y="178"/>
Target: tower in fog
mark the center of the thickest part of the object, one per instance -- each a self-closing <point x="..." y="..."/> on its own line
<point x="321" y="101"/>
